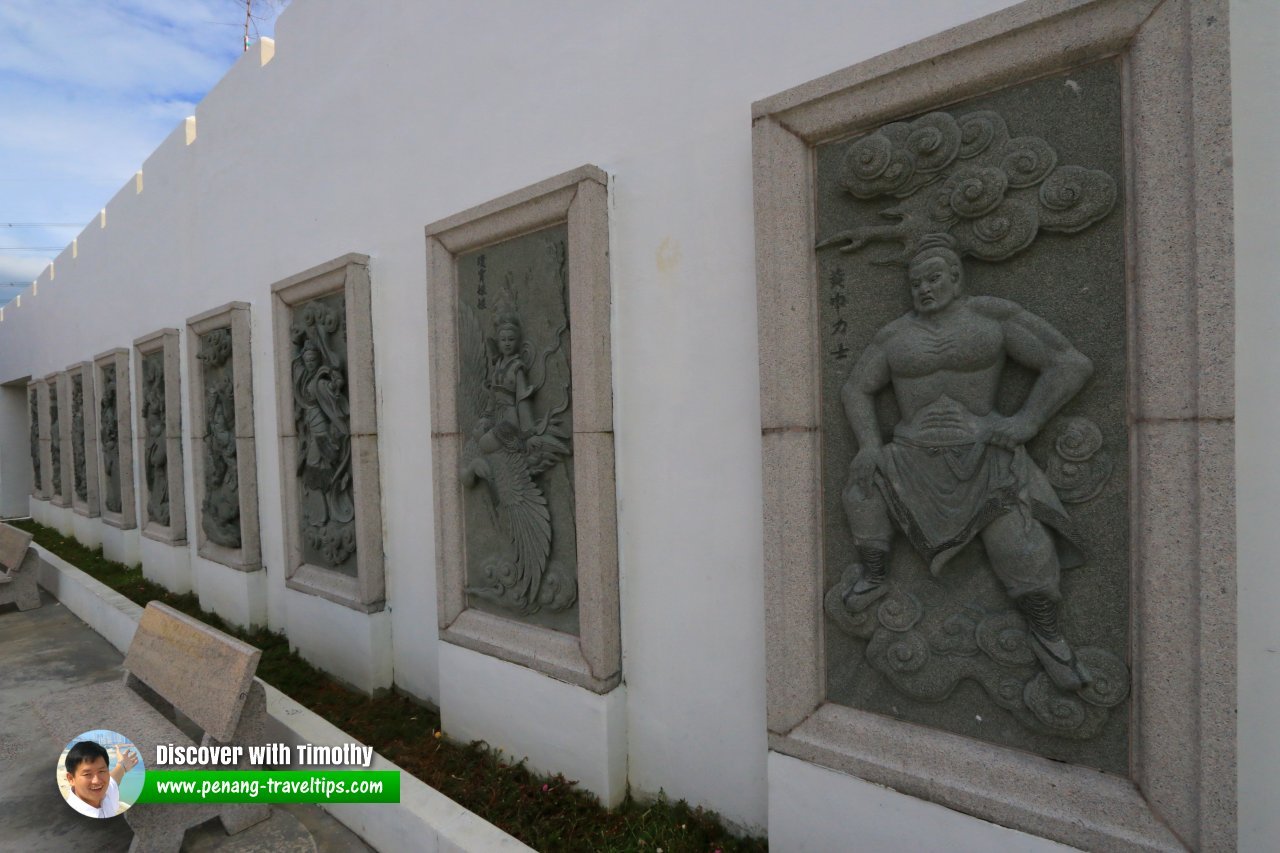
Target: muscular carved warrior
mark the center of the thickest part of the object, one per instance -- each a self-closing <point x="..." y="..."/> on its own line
<point x="956" y="469"/>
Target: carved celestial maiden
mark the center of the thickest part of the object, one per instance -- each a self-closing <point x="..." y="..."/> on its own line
<point x="518" y="436"/>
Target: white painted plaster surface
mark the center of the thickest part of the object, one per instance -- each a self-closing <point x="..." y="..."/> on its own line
<point x="60" y="518"/>
<point x="354" y="646"/>
<point x="15" y="456"/>
<point x="238" y="597"/>
<point x="88" y="530"/>
<point x="165" y="564"/>
<point x="874" y="819"/>
<point x="1255" y="83"/>
<point x="556" y="726"/>
<point x="352" y="140"/>
<point x="119" y="545"/>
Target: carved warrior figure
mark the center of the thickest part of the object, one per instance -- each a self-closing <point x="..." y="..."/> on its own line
<point x="955" y="469"/>
<point x="109" y="436"/>
<point x="510" y="448"/>
<point x="322" y="417"/>
<point x="35" y="440"/>
<point x="155" y="460"/>
<point x="220" y="511"/>
<point x="80" y="484"/>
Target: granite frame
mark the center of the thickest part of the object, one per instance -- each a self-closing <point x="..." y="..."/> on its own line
<point x="1181" y="790"/>
<point x="593" y="659"/>
<point x="58" y="493"/>
<point x="127" y="518"/>
<point x="349" y="275"/>
<point x="233" y="316"/>
<point x="90" y="507"/>
<point x="42" y="436"/>
<point x="166" y="342"/>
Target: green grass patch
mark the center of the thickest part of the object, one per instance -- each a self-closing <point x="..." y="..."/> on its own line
<point x="546" y="812"/>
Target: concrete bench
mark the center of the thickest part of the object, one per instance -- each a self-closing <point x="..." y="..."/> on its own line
<point x="19" y="569"/>
<point x="174" y="663"/>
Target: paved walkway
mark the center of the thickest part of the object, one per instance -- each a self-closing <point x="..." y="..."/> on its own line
<point x="46" y="651"/>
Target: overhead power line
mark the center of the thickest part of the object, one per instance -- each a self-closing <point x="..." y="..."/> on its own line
<point x="40" y="224"/>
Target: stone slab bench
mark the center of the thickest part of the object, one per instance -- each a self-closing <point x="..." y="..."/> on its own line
<point x="19" y="569"/>
<point x="174" y="663"/>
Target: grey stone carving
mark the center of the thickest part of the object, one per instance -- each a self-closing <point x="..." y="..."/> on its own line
<point x="55" y="445"/>
<point x="80" y="480"/>
<point x="1079" y="465"/>
<point x="109" y="438"/>
<point x="220" y="510"/>
<point x="36" y="478"/>
<point x="322" y="418"/>
<point x="155" y="460"/>
<point x="954" y="468"/>
<point x="514" y="393"/>
<point x="968" y="178"/>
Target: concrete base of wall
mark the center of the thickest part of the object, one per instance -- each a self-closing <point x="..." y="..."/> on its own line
<point x="167" y="565"/>
<point x="87" y="530"/>
<point x="59" y="518"/>
<point x="351" y="646"/>
<point x="559" y="728"/>
<point x="815" y="809"/>
<point x="120" y="545"/>
<point x="238" y="597"/>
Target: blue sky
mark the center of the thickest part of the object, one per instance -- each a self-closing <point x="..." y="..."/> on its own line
<point x="88" y="89"/>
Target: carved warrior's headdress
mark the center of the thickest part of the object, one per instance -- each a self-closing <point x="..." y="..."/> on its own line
<point x="968" y="179"/>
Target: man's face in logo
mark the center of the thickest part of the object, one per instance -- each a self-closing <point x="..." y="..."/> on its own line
<point x="90" y="780"/>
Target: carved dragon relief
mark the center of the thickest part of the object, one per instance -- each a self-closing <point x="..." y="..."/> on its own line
<point x="80" y="484"/>
<point x="55" y="444"/>
<point x="36" y="472"/>
<point x="220" y="509"/>
<point x="155" y="463"/>
<point x="322" y="418"/>
<point x="109" y="438"/>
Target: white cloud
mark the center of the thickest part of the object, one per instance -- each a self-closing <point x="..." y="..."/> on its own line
<point x="88" y="89"/>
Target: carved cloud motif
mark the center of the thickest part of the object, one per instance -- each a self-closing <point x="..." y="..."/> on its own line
<point x="967" y="177"/>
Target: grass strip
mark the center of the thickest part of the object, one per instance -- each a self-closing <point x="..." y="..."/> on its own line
<point x="548" y="813"/>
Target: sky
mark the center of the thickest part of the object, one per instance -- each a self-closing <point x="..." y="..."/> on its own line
<point x="88" y="89"/>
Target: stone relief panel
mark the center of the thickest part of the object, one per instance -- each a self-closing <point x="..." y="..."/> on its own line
<point x="109" y="441"/>
<point x="322" y="420"/>
<point x="155" y="455"/>
<point x="220" y="508"/>
<point x="37" y="481"/>
<point x="515" y="412"/>
<point x="55" y="443"/>
<point x="158" y="439"/>
<point x="223" y="449"/>
<point x="972" y="279"/>
<point x="80" y="477"/>
<point x="326" y="404"/>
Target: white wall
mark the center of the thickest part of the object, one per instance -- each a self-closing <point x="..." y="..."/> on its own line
<point x="15" y="453"/>
<point x="1255" y="106"/>
<point x="356" y="134"/>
